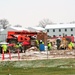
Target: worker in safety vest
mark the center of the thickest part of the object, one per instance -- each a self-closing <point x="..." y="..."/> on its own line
<point x="37" y="43"/>
<point x="41" y="42"/>
<point x="20" y="46"/>
<point x="17" y="47"/>
<point x="49" y="46"/>
<point x="71" y="45"/>
<point x="4" y="47"/>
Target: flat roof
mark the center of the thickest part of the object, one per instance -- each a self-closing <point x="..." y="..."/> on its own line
<point x="19" y="28"/>
<point x="54" y="26"/>
<point x="37" y="28"/>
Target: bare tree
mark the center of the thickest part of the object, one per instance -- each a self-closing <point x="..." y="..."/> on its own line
<point x="4" y="23"/>
<point x="45" y="22"/>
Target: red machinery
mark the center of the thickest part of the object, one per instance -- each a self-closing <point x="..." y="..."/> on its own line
<point x="26" y="38"/>
<point x="19" y="36"/>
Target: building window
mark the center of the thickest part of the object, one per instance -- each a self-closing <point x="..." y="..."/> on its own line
<point x="53" y="30"/>
<point x="71" y="29"/>
<point x="47" y="30"/>
<point x="65" y="30"/>
<point x="54" y="35"/>
<point x="59" y="35"/>
<point x="71" y="34"/>
<point x="65" y="34"/>
<point x="59" y="30"/>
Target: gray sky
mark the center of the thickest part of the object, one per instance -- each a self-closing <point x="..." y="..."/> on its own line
<point x="30" y="12"/>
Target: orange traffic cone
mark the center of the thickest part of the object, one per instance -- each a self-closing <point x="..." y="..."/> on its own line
<point x="2" y="54"/>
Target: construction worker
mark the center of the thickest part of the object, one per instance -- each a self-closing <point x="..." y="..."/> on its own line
<point x="49" y="46"/>
<point x="42" y="42"/>
<point x="63" y="38"/>
<point x="71" y="45"/>
<point x="20" y="46"/>
<point x="41" y="46"/>
<point x="58" y="41"/>
<point x="4" y="47"/>
<point x="37" y="43"/>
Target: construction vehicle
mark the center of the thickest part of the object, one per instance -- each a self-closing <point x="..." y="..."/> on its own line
<point x="26" y="38"/>
<point x="20" y="36"/>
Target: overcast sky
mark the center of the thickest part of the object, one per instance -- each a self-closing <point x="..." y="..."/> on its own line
<point x="30" y="12"/>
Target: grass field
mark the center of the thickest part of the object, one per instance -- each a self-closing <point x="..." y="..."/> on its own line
<point x="38" y="67"/>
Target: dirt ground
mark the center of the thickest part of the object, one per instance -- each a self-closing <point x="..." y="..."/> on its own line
<point x="38" y="55"/>
<point x="53" y="54"/>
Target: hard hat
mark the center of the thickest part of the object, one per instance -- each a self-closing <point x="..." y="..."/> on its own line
<point x="40" y="40"/>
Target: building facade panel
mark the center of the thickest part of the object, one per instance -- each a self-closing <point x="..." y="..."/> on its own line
<point x="61" y="31"/>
